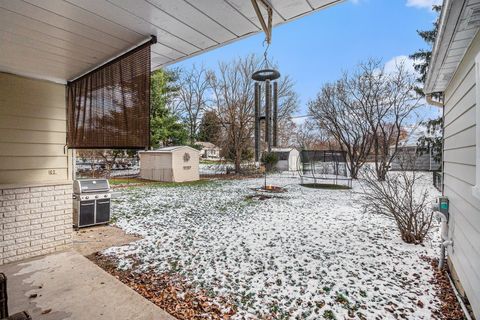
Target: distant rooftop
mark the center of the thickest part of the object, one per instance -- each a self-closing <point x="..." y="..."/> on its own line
<point x="206" y="144"/>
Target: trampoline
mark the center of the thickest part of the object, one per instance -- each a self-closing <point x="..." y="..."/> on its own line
<point x="324" y="168"/>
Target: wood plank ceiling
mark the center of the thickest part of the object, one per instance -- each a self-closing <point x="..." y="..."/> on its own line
<point x="60" y="39"/>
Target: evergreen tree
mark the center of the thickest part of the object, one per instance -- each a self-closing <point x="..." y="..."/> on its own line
<point x="422" y="58"/>
<point x="432" y="140"/>
<point x="210" y="127"/>
<point x="165" y="128"/>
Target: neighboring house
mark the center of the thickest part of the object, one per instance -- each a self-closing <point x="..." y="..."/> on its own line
<point x="410" y="157"/>
<point x="209" y="150"/>
<point x="288" y="159"/>
<point x="454" y="74"/>
<point x="171" y="164"/>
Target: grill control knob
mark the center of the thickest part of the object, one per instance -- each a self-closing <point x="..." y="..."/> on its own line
<point x="86" y="197"/>
<point x="96" y="197"/>
<point x="105" y="196"/>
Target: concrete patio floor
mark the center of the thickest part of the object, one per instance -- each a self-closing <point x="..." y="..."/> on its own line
<point x="87" y="241"/>
<point x="67" y="285"/>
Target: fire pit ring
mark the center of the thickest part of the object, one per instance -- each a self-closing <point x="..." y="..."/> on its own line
<point x="270" y="189"/>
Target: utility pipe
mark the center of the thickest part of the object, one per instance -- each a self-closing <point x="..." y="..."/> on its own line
<point x="459" y="299"/>
<point x="446" y="241"/>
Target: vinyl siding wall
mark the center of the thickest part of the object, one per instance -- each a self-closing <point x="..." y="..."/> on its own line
<point x="459" y="175"/>
<point x="32" y="131"/>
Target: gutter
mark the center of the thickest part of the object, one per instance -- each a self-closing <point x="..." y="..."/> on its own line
<point x="433" y="102"/>
<point x="436" y="46"/>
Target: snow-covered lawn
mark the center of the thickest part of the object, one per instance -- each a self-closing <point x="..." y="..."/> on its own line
<point x="306" y="254"/>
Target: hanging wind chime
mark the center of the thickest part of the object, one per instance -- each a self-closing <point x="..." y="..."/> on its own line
<point x="267" y="86"/>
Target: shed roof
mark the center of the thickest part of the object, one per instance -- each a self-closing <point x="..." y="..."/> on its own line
<point x="170" y="149"/>
<point x="59" y="40"/>
<point x="207" y="145"/>
<point x="283" y="149"/>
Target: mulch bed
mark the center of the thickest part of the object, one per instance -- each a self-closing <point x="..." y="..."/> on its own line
<point x="169" y="292"/>
<point x="450" y="308"/>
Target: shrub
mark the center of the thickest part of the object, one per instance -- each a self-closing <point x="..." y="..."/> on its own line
<point x="401" y="198"/>
<point x="269" y="159"/>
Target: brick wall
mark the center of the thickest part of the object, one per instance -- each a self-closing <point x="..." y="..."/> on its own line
<point x="34" y="221"/>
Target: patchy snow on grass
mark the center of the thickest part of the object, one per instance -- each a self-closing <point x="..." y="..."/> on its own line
<point x="305" y="254"/>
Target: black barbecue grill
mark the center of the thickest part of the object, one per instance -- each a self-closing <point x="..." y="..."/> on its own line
<point x="91" y="202"/>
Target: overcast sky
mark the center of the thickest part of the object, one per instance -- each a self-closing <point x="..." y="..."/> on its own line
<point x="316" y="49"/>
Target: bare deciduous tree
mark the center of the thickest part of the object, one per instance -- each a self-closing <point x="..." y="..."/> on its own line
<point x="365" y="111"/>
<point x="387" y="100"/>
<point x="107" y="157"/>
<point x="286" y="132"/>
<point x="400" y="196"/>
<point x="309" y="136"/>
<point x="233" y="92"/>
<point x="192" y="99"/>
<point x="88" y="156"/>
<point x="341" y="115"/>
<point x="287" y="98"/>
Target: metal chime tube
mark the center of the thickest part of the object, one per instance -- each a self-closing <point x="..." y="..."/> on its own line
<point x="257" y="121"/>
<point x="268" y="116"/>
<point x="275" y="114"/>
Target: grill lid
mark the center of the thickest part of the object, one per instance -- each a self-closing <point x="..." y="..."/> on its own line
<point x="90" y="186"/>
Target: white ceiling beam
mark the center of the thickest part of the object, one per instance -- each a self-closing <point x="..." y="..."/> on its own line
<point x="266" y="25"/>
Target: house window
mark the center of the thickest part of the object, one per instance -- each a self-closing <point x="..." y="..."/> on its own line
<point x="476" y="188"/>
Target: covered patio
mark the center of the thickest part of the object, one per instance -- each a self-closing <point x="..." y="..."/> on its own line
<point x="48" y="46"/>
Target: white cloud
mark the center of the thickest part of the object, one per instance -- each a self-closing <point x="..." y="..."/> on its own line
<point x="423" y="4"/>
<point x="391" y="64"/>
<point x="299" y="121"/>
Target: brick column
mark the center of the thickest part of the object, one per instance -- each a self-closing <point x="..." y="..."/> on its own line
<point x="34" y="221"/>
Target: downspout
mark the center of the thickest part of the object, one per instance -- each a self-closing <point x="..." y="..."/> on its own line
<point x="441" y="104"/>
<point x="446" y="241"/>
<point x="443" y="216"/>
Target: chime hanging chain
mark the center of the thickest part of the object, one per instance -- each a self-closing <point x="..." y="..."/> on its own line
<point x="265" y="62"/>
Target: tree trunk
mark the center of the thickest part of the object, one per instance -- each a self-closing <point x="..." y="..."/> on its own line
<point x="382" y="168"/>
<point x="238" y="162"/>
<point x="381" y="172"/>
<point x="353" y="170"/>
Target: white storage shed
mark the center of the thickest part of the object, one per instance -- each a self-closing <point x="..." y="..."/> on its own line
<point x="288" y="159"/>
<point x="171" y="164"/>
